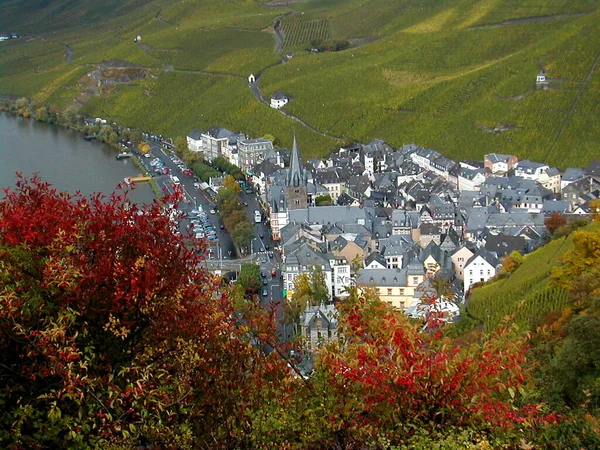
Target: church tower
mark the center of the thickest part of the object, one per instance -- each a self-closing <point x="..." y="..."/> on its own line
<point x="296" y="182"/>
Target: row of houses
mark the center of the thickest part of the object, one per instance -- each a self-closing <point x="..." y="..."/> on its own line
<point x="403" y="216"/>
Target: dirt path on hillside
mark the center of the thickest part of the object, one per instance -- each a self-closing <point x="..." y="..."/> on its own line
<point x="161" y="20"/>
<point x="527" y="20"/>
<point x="573" y="106"/>
<point x="69" y="57"/>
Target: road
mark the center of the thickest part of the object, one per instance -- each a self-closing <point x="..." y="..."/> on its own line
<point x="222" y="248"/>
<point x="262" y="244"/>
<point x="222" y="255"/>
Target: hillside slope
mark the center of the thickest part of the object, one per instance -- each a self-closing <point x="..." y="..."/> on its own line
<point x="458" y="75"/>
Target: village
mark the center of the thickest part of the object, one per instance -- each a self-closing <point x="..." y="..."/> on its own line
<point x="397" y="220"/>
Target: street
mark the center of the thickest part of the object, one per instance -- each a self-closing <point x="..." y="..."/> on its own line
<point x="222" y="253"/>
<point x="223" y="247"/>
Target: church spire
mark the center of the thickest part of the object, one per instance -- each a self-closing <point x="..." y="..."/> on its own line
<point x="295" y="176"/>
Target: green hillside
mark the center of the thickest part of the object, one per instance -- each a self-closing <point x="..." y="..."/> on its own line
<point x="455" y="75"/>
<point x="524" y="296"/>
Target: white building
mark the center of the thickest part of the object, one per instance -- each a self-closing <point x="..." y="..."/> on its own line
<point x="530" y="170"/>
<point x="279" y="100"/>
<point x="479" y="268"/>
<point x="194" y="141"/>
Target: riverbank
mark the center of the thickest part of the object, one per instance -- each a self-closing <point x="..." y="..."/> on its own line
<point x="117" y="137"/>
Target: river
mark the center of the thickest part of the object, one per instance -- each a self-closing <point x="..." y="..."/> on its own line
<point x="63" y="158"/>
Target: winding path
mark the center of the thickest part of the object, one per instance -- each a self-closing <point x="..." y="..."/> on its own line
<point x="69" y="57"/>
<point x="527" y="20"/>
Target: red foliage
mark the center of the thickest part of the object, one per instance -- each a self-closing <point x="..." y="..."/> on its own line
<point x="107" y="316"/>
<point x="400" y="374"/>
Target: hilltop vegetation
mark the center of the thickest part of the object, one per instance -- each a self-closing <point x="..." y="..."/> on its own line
<point x="441" y="74"/>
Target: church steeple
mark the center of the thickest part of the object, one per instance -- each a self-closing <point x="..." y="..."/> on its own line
<point x="295" y="173"/>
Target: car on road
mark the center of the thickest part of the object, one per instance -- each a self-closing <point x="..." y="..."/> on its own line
<point x="270" y="253"/>
<point x="265" y="293"/>
<point x="249" y="191"/>
<point x="188" y="172"/>
<point x="265" y="260"/>
<point x="261" y="235"/>
<point x="265" y="281"/>
<point x="245" y="203"/>
<point x="212" y="211"/>
<point x="263" y="274"/>
<point x="165" y="170"/>
<point x="148" y="155"/>
<point x="221" y="226"/>
<point x="267" y="247"/>
<point x="273" y="273"/>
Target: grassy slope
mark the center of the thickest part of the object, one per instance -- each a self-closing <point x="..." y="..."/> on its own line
<point x="525" y="296"/>
<point x="426" y="75"/>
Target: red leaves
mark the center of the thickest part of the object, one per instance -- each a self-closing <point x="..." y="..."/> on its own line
<point x="400" y="373"/>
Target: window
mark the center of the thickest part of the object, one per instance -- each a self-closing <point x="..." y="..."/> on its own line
<point x="401" y="291"/>
<point x="389" y="291"/>
<point x="415" y="280"/>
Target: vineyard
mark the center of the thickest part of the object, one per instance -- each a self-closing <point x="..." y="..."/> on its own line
<point x="526" y="295"/>
<point x="297" y="32"/>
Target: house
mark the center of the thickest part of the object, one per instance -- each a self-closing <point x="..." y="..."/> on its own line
<point x="504" y="244"/>
<point x="530" y="170"/>
<point x="551" y="180"/>
<point x="574" y="192"/>
<point x="319" y="324"/>
<point x="194" y="140"/>
<point x="375" y="261"/>
<point x="252" y="152"/>
<point x="471" y="180"/>
<point x="214" y="142"/>
<point x="541" y="77"/>
<point x="459" y="260"/>
<point x="479" y="268"/>
<point x="571" y="175"/>
<point x="499" y="163"/>
<point x="429" y="232"/>
<point x="394" y="286"/>
<point x="301" y="258"/>
<point x="279" y="100"/>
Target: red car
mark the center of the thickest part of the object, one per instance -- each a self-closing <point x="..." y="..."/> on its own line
<point x="273" y="273"/>
<point x="187" y="172"/>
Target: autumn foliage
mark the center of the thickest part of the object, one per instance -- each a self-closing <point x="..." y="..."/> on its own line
<point x="112" y="336"/>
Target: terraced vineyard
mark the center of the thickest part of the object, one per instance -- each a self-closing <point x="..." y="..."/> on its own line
<point x="438" y="73"/>
<point x="526" y="295"/>
<point x="299" y="32"/>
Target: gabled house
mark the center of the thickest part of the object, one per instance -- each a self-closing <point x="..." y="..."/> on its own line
<point x="394" y="286"/>
<point x="551" y="179"/>
<point x="498" y="163"/>
<point x="215" y="142"/>
<point x="479" y="268"/>
<point x="279" y="100"/>
<point x="375" y="261"/>
<point x="319" y="324"/>
<point x="459" y="260"/>
<point x="471" y="180"/>
<point x="194" y="141"/>
<point x="530" y="170"/>
<point x="252" y="152"/>
<point x="429" y="232"/>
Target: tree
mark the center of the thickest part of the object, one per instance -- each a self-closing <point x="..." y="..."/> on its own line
<point x="555" y="221"/>
<point x="41" y="114"/>
<point x="181" y="146"/>
<point x="310" y="289"/>
<point x="323" y="200"/>
<point x="271" y="138"/>
<point x="595" y="210"/>
<point x="513" y="261"/>
<point x="249" y="277"/>
<point x="112" y="335"/>
<point x="143" y="147"/>
<point x="242" y="234"/>
<point x="319" y="292"/>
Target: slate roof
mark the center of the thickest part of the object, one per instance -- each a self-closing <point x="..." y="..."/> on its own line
<point x="489" y="257"/>
<point x="195" y="134"/>
<point x="375" y="256"/>
<point x="497" y="157"/>
<point x="503" y="244"/>
<point x="383" y="277"/>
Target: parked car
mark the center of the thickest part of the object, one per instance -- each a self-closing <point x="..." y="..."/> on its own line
<point x="265" y="293"/>
<point x="273" y="273"/>
<point x="265" y="281"/>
